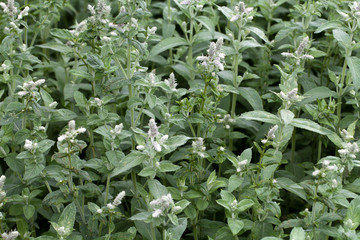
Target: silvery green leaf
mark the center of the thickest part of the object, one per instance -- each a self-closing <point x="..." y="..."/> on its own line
<point x="235" y="225"/>
<point x="297" y="234"/>
<point x="287" y="116"/>
<point x="261" y="116"/>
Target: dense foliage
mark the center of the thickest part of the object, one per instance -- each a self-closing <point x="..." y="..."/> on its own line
<point x="179" y="119"/>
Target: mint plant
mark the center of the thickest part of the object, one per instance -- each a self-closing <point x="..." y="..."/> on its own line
<point x="178" y="119"/>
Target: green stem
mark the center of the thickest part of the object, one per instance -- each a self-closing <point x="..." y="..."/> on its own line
<point x="191" y="37"/>
<point x="153" y="235"/>
<point x="195" y="232"/>
<point x="107" y="189"/>
<point x="70" y="178"/>
<point x="293" y="146"/>
<point x="81" y="210"/>
<point x="234" y="96"/>
<point x="319" y="149"/>
<point x="202" y="105"/>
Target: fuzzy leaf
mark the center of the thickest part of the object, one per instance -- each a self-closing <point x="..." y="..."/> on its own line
<point x="354" y="66"/>
<point x="131" y="160"/>
<point x="252" y="96"/>
<point x="297" y="234"/>
<point x="235" y="225"/>
<point x="261" y="116"/>
<point x="166" y="44"/>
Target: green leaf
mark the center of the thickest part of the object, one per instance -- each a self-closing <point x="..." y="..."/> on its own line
<point x="235" y="181"/>
<point x="61" y="33"/>
<point x="309" y="125"/>
<point x="33" y="170"/>
<point x="67" y="218"/>
<point x="94" y="62"/>
<point x="14" y="107"/>
<point x="46" y="97"/>
<point x="63" y="115"/>
<point x="114" y="157"/>
<point x="329" y="25"/>
<point x="80" y="99"/>
<point x="252" y="96"/>
<point x="207" y="22"/>
<point x="228" y="13"/>
<point x="317" y="93"/>
<point x="292" y="187"/>
<point x="81" y="73"/>
<point x="297" y="234"/>
<point x="354" y="66"/>
<point x="173" y="218"/>
<point x="287" y="116"/>
<point x="166" y="44"/>
<point x="147" y="172"/>
<point x="157" y="189"/>
<point x="29" y="211"/>
<point x="235" y="225"/>
<point x="248" y="44"/>
<point x="260" y="33"/>
<point x="142" y="216"/>
<point x="174" y="142"/>
<point x="353" y="212"/>
<point x="168" y="167"/>
<point x="271" y="238"/>
<point x="131" y="160"/>
<point x="45" y="145"/>
<point x="261" y="116"/>
<point x="245" y="204"/>
<point x="178" y="230"/>
<point x="56" y="46"/>
<point x="268" y="172"/>
<point x="182" y="203"/>
<point x="342" y="37"/>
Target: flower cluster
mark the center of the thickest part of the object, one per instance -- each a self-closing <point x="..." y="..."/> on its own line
<point x="11" y="11"/>
<point x="157" y="142"/>
<point x="71" y="133"/>
<point x="116" y="202"/>
<point x="81" y="27"/>
<point x="300" y="52"/>
<point x="162" y="205"/>
<point x="326" y="167"/>
<point x="227" y="121"/>
<point x="99" y="17"/>
<point x="198" y="147"/>
<point x="290" y="97"/>
<point x="30" y="146"/>
<point x="30" y="88"/>
<point x="10" y="235"/>
<point x="214" y="60"/>
<point x="355" y="9"/>
<point x="9" y="8"/>
<point x="197" y="3"/>
<point x="270" y="135"/>
<point x="346" y="135"/>
<point x="349" y="150"/>
<point x="117" y="130"/>
<point x="61" y="231"/>
<point x="171" y="82"/>
<point x="97" y="102"/>
<point x="2" y="192"/>
<point x="151" y="31"/>
<point x="241" y="165"/>
<point x="242" y="12"/>
<point x="354" y="14"/>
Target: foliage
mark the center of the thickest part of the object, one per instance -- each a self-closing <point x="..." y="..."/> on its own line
<point x="179" y="119"/>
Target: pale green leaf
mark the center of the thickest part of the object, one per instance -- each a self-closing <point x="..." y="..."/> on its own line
<point x="166" y="44"/>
